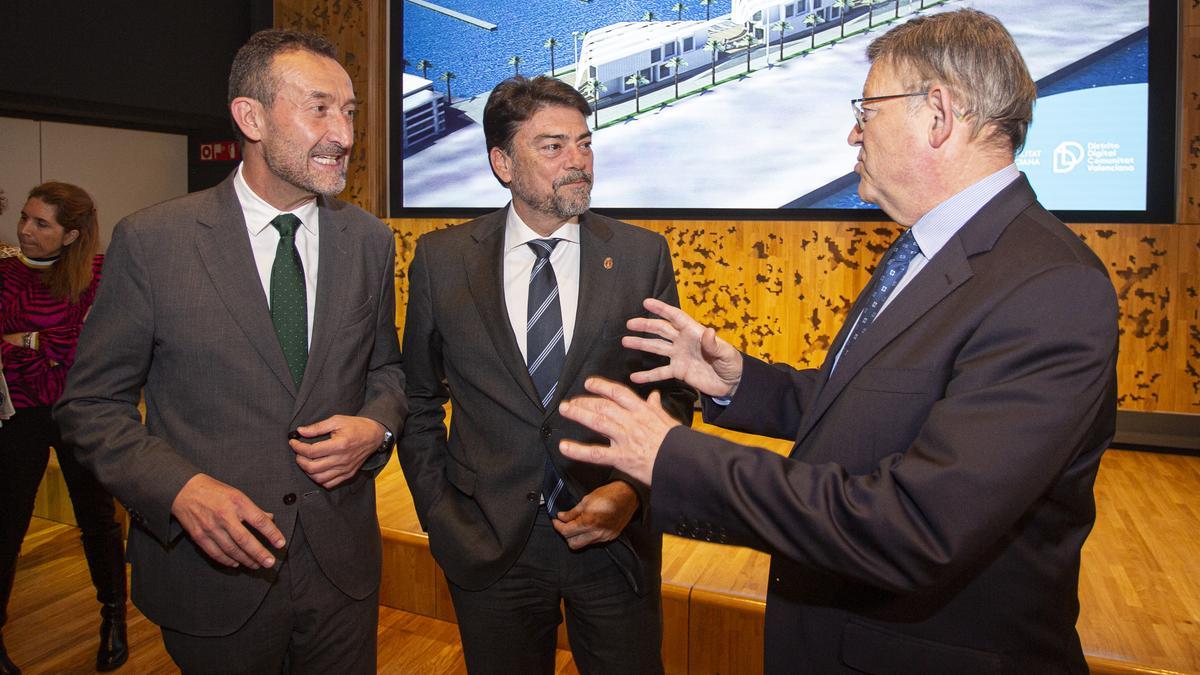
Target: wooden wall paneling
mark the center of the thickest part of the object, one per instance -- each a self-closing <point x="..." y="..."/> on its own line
<point x="725" y="634"/>
<point x="1186" y="354"/>
<point x="1189" y="119"/>
<point x="359" y="30"/>
<point x="410" y="581"/>
<point x="1141" y="260"/>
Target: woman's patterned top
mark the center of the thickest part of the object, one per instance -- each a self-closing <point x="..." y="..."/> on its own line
<point x="36" y="377"/>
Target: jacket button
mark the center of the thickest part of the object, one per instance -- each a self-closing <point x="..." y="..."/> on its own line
<point x="289" y="498"/>
<point x="532" y="495"/>
<point x="545" y="432"/>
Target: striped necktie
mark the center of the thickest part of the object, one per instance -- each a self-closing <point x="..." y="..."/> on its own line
<point x="545" y="353"/>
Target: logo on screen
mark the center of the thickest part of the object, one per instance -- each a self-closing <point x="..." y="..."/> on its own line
<point x="1067" y="156"/>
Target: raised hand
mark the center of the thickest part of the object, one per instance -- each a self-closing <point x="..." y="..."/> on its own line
<point x="635" y="427"/>
<point x="697" y="356"/>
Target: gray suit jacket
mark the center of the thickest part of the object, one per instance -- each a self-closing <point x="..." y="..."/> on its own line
<point x="477" y="494"/>
<point x="182" y="315"/>
<point x="931" y="515"/>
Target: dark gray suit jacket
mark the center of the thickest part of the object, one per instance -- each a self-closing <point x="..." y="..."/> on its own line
<point x="477" y="494"/>
<point x="182" y="314"/>
<point x="931" y="515"/>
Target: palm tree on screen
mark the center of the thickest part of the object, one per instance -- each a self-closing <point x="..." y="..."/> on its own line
<point x="515" y="62"/>
<point x="678" y="9"/>
<point x="716" y="47"/>
<point x="424" y="67"/>
<point x="748" y="40"/>
<point x="550" y="44"/>
<point x="637" y="80"/>
<point x="707" y="5"/>
<point x="592" y="89"/>
<point x="675" y="63"/>
<point x="447" y="76"/>
<point x="781" y="26"/>
<point x="811" y="22"/>
<point x="842" y="6"/>
<point x="649" y="16"/>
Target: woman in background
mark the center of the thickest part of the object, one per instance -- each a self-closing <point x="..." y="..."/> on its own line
<point x="45" y="293"/>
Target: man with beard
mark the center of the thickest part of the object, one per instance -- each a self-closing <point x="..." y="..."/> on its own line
<point x="259" y="318"/>
<point x="507" y="314"/>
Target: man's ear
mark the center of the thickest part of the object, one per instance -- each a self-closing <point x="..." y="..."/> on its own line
<point x="249" y="115"/>
<point x="501" y="164"/>
<point x="942" y="125"/>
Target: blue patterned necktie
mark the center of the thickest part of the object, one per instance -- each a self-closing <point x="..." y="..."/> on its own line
<point x="895" y="264"/>
<point x="289" y="297"/>
<point x="545" y="354"/>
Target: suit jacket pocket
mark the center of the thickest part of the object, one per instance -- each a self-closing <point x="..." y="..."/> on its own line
<point x="871" y="649"/>
<point x="896" y="380"/>
<point x="460" y="477"/>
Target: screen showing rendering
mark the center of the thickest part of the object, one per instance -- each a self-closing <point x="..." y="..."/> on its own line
<point x="743" y="105"/>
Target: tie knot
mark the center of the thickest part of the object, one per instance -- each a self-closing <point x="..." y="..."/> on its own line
<point x="542" y="248"/>
<point x="906" y="247"/>
<point x="286" y="223"/>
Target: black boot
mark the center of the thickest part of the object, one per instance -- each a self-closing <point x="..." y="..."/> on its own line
<point x="106" y="561"/>
<point x="7" y="667"/>
<point x="114" y="650"/>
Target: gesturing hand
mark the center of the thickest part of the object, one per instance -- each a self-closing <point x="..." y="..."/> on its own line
<point x="599" y="516"/>
<point x="698" y="357"/>
<point x="215" y="516"/>
<point x="635" y="428"/>
<point x="337" y="458"/>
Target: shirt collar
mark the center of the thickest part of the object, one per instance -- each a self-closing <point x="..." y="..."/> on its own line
<point x="936" y="228"/>
<point x="259" y="213"/>
<point x="517" y="234"/>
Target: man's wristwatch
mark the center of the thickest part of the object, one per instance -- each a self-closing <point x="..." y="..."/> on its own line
<point x="389" y="440"/>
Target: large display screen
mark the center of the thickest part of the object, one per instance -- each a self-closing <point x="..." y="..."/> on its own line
<point x="740" y="108"/>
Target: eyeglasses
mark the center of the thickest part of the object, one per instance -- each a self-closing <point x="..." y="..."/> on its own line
<point x="860" y="115"/>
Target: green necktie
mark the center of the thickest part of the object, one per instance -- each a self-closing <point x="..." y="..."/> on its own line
<point x="289" y="299"/>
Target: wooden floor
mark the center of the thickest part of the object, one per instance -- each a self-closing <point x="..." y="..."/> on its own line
<point x="54" y="617"/>
<point x="1139" y="589"/>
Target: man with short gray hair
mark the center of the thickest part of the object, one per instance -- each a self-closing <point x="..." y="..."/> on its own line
<point x="930" y="516"/>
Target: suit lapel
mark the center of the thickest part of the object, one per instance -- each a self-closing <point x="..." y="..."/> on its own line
<point x="484" y="264"/>
<point x="333" y="294"/>
<point x="948" y="270"/>
<point x="596" y="289"/>
<point x="224" y="247"/>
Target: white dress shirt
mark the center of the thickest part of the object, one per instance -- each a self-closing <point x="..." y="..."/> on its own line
<point x="518" y="265"/>
<point x="264" y="239"/>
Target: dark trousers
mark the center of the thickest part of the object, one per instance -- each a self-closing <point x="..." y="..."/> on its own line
<point x="305" y="624"/>
<point x="511" y="626"/>
<point x="25" y="442"/>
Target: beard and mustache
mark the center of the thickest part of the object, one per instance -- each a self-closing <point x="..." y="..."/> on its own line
<point x="559" y="203"/>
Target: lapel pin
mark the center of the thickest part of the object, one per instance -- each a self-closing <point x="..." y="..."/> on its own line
<point x="608" y="263"/>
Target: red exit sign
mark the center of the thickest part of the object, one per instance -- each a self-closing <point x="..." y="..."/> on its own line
<point x="224" y="151"/>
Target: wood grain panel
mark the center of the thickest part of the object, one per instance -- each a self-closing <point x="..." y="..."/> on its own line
<point x="1185" y="363"/>
<point x="359" y="30"/>
<point x="781" y="290"/>
<point x="1140" y="260"/>
<point x="1189" y="120"/>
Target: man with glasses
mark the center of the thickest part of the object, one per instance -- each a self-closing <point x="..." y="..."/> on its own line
<point x="931" y="514"/>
